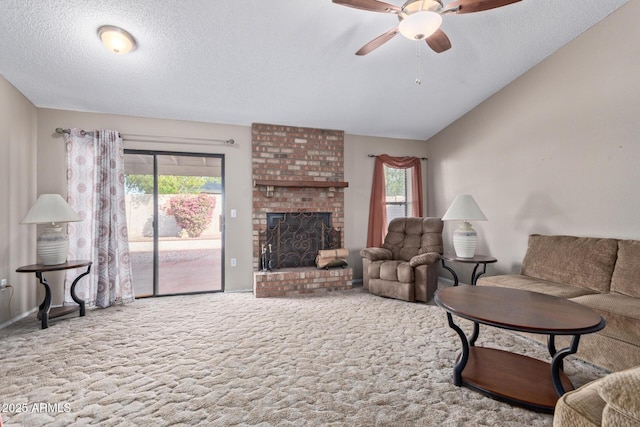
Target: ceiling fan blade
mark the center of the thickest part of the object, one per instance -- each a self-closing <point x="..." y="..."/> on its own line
<point x="470" y="6"/>
<point x="378" y="41"/>
<point x="438" y="41"/>
<point x="370" y="5"/>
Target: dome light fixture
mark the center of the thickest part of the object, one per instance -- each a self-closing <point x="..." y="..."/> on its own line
<point x="116" y="39"/>
<point x="419" y="19"/>
<point x="420" y="25"/>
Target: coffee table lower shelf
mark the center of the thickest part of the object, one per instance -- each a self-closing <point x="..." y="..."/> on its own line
<point x="512" y="378"/>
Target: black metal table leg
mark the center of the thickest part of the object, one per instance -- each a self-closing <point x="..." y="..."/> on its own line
<point x="556" y="364"/>
<point x="464" y="356"/>
<point x="474" y="335"/>
<point x="453" y="273"/>
<point x="45" y="307"/>
<point x="75" y="297"/>
<point x="474" y="276"/>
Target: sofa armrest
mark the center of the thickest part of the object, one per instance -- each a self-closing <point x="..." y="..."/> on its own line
<point x="376" y="254"/>
<point x="424" y="259"/>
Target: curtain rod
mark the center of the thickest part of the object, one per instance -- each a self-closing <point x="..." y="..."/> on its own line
<point x="374" y="155"/>
<point x="82" y="131"/>
<point x="157" y="138"/>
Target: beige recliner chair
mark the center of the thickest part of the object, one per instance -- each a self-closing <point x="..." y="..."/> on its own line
<point x="405" y="267"/>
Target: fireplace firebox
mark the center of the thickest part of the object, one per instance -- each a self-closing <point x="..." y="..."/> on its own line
<point x="293" y="239"/>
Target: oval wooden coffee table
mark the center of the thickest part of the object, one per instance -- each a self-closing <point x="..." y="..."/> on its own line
<point x="511" y="377"/>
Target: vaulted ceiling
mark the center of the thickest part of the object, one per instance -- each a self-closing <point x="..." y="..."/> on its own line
<point x="285" y="62"/>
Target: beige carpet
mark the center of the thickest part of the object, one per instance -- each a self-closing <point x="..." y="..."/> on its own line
<point x="338" y="359"/>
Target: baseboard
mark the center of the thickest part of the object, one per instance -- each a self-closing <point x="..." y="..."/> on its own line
<point x="19" y="317"/>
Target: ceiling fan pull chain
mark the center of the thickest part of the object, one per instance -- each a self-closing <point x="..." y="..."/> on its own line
<point x="419" y="78"/>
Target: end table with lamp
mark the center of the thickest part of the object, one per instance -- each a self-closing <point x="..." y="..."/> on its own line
<point x="464" y="208"/>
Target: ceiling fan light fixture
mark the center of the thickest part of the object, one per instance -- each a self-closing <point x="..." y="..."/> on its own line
<point x="420" y="25"/>
<point x="116" y="39"/>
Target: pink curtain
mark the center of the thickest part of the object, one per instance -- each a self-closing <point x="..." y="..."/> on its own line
<point x="377" y="205"/>
<point x="95" y="185"/>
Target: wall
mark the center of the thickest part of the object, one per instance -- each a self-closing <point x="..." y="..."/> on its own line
<point x="555" y="152"/>
<point x="18" y="192"/>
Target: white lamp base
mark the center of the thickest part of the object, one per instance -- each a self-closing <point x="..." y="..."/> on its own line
<point x="53" y="246"/>
<point x="464" y="240"/>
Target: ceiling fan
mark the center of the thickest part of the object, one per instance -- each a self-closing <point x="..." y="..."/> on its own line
<point x="420" y="19"/>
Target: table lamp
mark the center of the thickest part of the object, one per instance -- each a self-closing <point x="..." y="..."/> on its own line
<point x="464" y="209"/>
<point x="53" y="244"/>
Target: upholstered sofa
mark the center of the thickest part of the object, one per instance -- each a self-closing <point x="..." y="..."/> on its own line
<point x="613" y="400"/>
<point x="600" y="273"/>
<point x="406" y="266"/>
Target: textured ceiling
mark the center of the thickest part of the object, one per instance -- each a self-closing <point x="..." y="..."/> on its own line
<point x="285" y="62"/>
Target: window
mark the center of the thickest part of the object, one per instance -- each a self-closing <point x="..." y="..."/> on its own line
<point x="398" y="192"/>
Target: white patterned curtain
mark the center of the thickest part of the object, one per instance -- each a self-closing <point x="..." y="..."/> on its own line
<point x="95" y="181"/>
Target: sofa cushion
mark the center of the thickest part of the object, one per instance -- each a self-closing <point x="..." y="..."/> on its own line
<point x="399" y="271"/>
<point x="431" y="235"/>
<point x="389" y="270"/>
<point x="578" y="261"/>
<point x="374" y="269"/>
<point x="580" y="408"/>
<point x="405" y="273"/>
<point x="404" y="238"/>
<point x="408" y="237"/>
<point x="528" y="283"/>
<point x="626" y="275"/>
<point x="621" y="312"/>
<point x="620" y="392"/>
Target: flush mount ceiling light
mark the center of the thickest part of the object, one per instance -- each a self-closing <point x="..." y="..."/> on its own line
<point x="116" y="39"/>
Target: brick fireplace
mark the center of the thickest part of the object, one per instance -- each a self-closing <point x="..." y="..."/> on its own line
<point x="295" y="170"/>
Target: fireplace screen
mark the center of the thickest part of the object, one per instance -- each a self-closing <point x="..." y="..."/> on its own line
<point x="294" y="239"/>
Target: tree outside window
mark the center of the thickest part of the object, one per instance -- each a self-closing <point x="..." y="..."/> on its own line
<point x="398" y="192"/>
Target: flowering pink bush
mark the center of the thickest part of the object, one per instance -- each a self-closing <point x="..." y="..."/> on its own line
<point x="192" y="212"/>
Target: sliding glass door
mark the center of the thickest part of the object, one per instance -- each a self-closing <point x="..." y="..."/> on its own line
<point x="175" y="218"/>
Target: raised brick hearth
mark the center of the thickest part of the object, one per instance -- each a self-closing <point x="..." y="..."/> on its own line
<point x="297" y="170"/>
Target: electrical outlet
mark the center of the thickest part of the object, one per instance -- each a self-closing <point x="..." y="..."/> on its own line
<point x="3" y="283"/>
<point x="234" y="262"/>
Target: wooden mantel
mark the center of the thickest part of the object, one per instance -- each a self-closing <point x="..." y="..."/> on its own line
<point x="270" y="184"/>
<point x="302" y="183"/>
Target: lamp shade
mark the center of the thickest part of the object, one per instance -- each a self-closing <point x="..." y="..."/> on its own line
<point x="464" y="208"/>
<point x="50" y="209"/>
<point x="53" y="244"/>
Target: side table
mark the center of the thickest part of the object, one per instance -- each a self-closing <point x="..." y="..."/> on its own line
<point x="476" y="259"/>
<point x="46" y="311"/>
